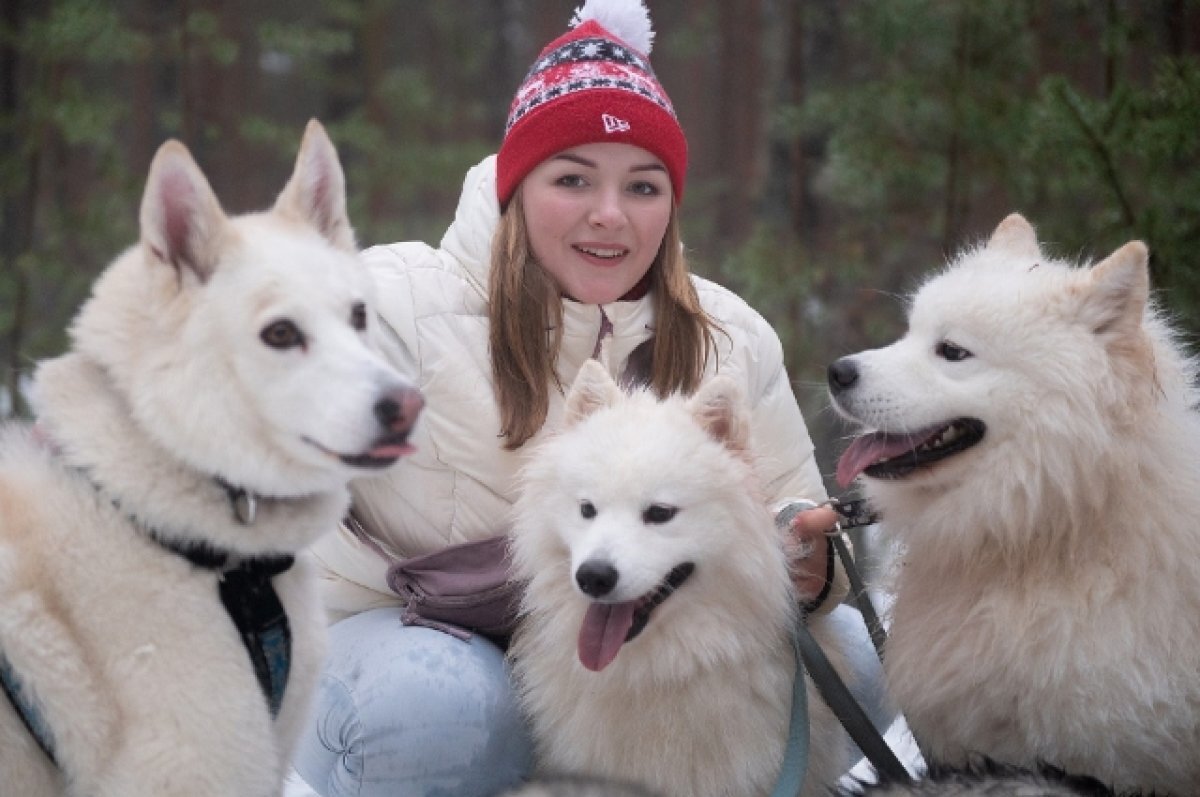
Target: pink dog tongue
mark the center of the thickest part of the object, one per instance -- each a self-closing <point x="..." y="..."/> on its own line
<point x="869" y="449"/>
<point x="391" y="451"/>
<point x="603" y="632"/>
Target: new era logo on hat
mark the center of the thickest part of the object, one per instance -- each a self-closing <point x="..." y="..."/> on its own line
<point x="614" y="125"/>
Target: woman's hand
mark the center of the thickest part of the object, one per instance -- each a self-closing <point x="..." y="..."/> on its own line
<point x="809" y="551"/>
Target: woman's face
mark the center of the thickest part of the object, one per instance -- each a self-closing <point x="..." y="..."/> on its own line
<point x="596" y="216"/>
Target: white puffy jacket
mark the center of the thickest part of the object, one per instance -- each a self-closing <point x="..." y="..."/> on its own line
<point x="460" y="483"/>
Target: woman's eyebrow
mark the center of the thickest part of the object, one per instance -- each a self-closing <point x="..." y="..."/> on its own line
<point x="582" y="161"/>
<point x="573" y="158"/>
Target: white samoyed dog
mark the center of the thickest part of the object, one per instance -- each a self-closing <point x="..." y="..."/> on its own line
<point x="160" y="632"/>
<point x="655" y="645"/>
<point x="1033" y="446"/>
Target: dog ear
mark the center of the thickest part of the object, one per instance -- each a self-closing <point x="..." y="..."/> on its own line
<point x="1117" y="290"/>
<point x="181" y="220"/>
<point x="316" y="192"/>
<point x="592" y="389"/>
<point x="1015" y="235"/>
<point x="717" y="407"/>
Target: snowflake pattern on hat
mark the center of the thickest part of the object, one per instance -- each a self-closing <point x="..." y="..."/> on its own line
<point x="586" y="64"/>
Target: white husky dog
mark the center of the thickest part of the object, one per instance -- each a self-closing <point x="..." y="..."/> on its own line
<point x="656" y="640"/>
<point x="1035" y="452"/>
<point x="219" y="395"/>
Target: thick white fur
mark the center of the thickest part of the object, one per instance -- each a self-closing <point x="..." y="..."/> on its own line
<point x="125" y="647"/>
<point x="698" y="704"/>
<point x="1048" y="587"/>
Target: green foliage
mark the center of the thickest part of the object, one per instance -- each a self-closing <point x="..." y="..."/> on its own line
<point x="84" y="31"/>
<point x="302" y="41"/>
<point x="941" y="81"/>
<point x="50" y="235"/>
<point x="201" y="36"/>
<point x="1129" y="160"/>
<point x="951" y="115"/>
<point x="70" y="192"/>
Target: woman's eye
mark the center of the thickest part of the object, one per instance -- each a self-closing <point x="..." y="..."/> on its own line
<point x="658" y="513"/>
<point x="587" y="509"/>
<point x="645" y="189"/>
<point x="358" y="316"/>
<point x="282" y="334"/>
<point x="949" y="351"/>
<point x="570" y="181"/>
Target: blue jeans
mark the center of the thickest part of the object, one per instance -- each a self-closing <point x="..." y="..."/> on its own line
<point x="409" y="711"/>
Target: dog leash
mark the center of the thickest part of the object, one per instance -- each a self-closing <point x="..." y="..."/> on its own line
<point x="794" y="768"/>
<point x="854" y="513"/>
<point x="27" y="710"/>
<point x="837" y="696"/>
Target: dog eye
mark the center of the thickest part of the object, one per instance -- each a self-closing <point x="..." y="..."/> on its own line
<point x="587" y="509"/>
<point x="358" y="316"/>
<point x="658" y="513"/>
<point x="948" y="351"/>
<point x="282" y="335"/>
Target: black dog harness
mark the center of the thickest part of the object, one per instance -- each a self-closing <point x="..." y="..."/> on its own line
<point x="244" y="586"/>
<point x="250" y="600"/>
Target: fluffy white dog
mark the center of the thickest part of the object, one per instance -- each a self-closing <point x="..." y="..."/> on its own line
<point x="159" y="634"/>
<point x="656" y="640"/>
<point x="1033" y="445"/>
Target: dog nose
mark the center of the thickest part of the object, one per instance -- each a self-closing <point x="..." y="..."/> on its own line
<point x="596" y="578"/>
<point x="842" y="374"/>
<point x="398" y="410"/>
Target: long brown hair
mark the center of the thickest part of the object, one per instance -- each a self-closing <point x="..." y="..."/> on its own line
<point x="525" y="325"/>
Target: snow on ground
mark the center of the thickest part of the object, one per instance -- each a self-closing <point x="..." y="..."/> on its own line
<point x="295" y="786"/>
<point x="903" y="745"/>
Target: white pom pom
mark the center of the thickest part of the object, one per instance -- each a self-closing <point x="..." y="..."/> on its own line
<point x="628" y="20"/>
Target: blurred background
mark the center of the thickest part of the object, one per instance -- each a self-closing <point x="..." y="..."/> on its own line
<point x="840" y="149"/>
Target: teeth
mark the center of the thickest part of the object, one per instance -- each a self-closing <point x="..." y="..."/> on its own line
<point x="948" y="436"/>
<point x="602" y="252"/>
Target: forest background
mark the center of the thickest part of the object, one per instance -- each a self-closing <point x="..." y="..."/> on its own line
<point x="840" y="149"/>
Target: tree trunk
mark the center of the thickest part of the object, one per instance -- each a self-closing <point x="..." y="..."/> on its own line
<point x="952" y="210"/>
<point x="16" y="200"/>
<point x="739" y="125"/>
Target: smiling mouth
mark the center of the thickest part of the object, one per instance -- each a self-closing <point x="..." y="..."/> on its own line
<point x="602" y="252"/>
<point x="883" y="455"/>
<point x="608" y="626"/>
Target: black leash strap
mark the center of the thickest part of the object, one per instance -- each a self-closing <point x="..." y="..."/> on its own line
<point x="862" y="600"/>
<point x="837" y="696"/>
<point x="855" y="513"/>
<point x="26" y="709"/>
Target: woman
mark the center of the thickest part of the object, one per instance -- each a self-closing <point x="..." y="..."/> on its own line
<point x="565" y="246"/>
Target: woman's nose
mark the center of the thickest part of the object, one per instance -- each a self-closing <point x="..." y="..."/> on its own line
<point x="608" y="212"/>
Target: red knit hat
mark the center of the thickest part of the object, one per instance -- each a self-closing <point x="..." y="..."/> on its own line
<point x="592" y="84"/>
